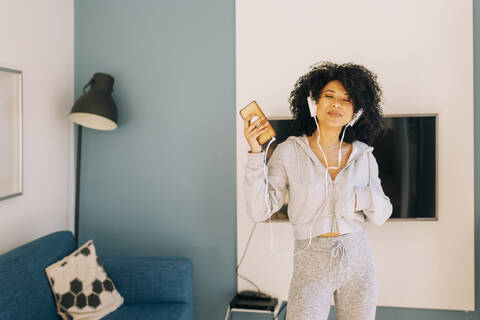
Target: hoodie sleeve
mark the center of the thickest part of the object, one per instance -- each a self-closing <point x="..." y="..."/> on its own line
<point x="254" y="184"/>
<point x="372" y="200"/>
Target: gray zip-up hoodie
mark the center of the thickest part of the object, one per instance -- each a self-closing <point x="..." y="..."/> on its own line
<point x="295" y="167"/>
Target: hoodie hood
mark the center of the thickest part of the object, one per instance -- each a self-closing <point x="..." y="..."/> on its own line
<point x="301" y="145"/>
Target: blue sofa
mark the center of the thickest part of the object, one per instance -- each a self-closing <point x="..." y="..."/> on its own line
<point x="152" y="287"/>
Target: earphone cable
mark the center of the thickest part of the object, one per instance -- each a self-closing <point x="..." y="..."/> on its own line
<point x="254" y="226"/>
<point x="243" y="256"/>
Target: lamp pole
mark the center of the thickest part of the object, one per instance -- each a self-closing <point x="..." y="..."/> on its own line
<point x="77" y="182"/>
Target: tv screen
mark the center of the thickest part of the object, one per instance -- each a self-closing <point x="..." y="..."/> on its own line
<point x="407" y="162"/>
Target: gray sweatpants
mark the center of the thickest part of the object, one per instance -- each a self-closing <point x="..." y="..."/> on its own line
<point x="342" y="266"/>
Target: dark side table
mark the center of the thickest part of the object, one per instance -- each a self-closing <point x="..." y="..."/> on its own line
<point x="279" y="309"/>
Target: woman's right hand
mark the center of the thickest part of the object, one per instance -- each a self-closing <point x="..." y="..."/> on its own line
<point x="253" y="130"/>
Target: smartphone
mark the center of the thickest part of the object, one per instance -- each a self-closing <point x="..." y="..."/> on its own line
<point x="254" y="108"/>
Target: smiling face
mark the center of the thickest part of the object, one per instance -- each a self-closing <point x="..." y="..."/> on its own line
<point x="334" y="106"/>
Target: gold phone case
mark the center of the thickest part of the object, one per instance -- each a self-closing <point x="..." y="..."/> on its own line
<point x="254" y="108"/>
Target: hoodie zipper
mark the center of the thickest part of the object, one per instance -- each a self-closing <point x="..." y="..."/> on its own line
<point x="332" y="200"/>
<point x="332" y="206"/>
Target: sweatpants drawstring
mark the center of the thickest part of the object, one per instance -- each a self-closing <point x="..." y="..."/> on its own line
<point x="341" y="250"/>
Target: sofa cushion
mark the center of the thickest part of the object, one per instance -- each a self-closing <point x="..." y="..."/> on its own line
<point x="81" y="286"/>
<point x="158" y="311"/>
<point x="24" y="289"/>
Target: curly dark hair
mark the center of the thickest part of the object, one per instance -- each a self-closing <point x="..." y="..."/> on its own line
<point x="360" y="84"/>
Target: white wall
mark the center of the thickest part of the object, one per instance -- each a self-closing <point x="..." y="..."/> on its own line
<point x="422" y="51"/>
<point x="37" y="38"/>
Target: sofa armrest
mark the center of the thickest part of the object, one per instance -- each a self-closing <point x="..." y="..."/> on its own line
<point x="152" y="279"/>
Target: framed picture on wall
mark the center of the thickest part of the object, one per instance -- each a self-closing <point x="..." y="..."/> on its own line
<point x="10" y="133"/>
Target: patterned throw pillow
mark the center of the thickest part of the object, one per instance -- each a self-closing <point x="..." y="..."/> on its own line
<point x="81" y="287"/>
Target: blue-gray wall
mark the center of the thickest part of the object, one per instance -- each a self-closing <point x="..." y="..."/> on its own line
<point x="164" y="182"/>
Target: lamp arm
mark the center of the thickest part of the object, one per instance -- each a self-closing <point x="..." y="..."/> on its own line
<point x="88" y="84"/>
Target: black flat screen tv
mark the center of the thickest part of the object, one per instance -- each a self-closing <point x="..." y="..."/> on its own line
<point x="407" y="162"/>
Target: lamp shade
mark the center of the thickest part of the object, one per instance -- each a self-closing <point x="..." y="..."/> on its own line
<point x="96" y="109"/>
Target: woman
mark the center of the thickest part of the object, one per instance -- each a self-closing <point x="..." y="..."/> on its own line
<point x="327" y="207"/>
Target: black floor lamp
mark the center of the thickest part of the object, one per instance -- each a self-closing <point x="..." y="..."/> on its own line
<point x="95" y="109"/>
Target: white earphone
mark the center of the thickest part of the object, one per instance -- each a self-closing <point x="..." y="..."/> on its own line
<point x="313" y="111"/>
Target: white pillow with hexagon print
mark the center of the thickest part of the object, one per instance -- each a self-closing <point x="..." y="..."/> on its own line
<point x="81" y="286"/>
